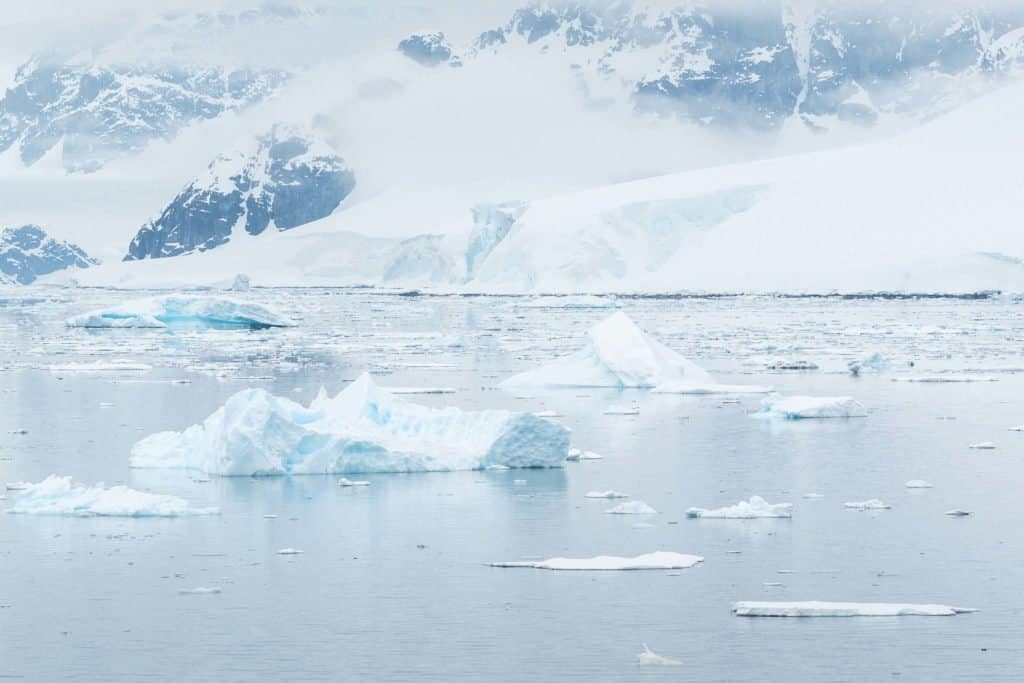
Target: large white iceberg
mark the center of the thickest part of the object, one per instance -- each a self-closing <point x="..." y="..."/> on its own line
<point x="843" y="609"/>
<point x="656" y="560"/>
<point x="619" y="354"/>
<point x="362" y="429"/>
<point x="754" y="508"/>
<point x="810" y="407"/>
<point x="180" y="310"/>
<point x="57" y="496"/>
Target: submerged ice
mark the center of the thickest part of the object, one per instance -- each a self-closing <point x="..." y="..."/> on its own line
<point x="180" y="310"/>
<point x="58" y="496"/>
<point x="362" y="429"/>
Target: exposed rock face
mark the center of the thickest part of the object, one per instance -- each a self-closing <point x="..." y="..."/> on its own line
<point x="428" y="49"/>
<point x="289" y="178"/>
<point x="28" y="252"/>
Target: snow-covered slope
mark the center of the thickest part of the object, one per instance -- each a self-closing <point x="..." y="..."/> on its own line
<point x="28" y="252"/>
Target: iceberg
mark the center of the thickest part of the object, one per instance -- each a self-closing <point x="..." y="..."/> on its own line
<point x="362" y="429"/>
<point x="57" y="496"/>
<point x="843" y="609"/>
<point x="633" y="507"/>
<point x="619" y="354"/>
<point x="183" y="311"/>
<point x="754" y="508"/>
<point x="874" y="362"/>
<point x="809" y="407"/>
<point x="648" y="658"/>
<point x="656" y="560"/>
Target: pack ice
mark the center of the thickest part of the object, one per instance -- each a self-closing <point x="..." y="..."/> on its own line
<point x="816" y="608"/>
<point x="183" y="311"/>
<point x="809" y="407"/>
<point x="619" y="354"/>
<point x="58" y="496"/>
<point x="362" y="429"/>
<point x="754" y="508"/>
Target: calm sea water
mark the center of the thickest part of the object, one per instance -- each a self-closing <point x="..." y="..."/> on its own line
<point x="392" y="584"/>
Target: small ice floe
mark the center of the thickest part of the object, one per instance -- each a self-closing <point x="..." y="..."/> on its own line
<point x="809" y="407"/>
<point x="874" y="362"/>
<point x="792" y="364"/>
<point x="289" y="551"/>
<point x="957" y="513"/>
<point x="656" y="560"/>
<point x="946" y="379"/>
<point x="575" y="455"/>
<point x="547" y="413"/>
<point x="754" y="508"/>
<point x="813" y="496"/>
<point x="420" y="390"/>
<point x="269" y="516"/>
<point x="606" y="494"/>
<point x="19" y="431"/>
<point x="200" y="590"/>
<point x="102" y="366"/>
<point x="648" y="658"/>
<point x="919" y="484"/>
<point x="622" y="410"/>
<point x="18" y="485"/>
<point x="106" y="404"/>
<point x="633" y="507"/>
<point x="56" y="496"/>
<point x="352" y="482"/>
<point x="983" y="445"/>
<point x="843" y="609"/>
<point x="872" y="504"/>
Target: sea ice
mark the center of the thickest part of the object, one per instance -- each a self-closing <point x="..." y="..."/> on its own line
<point x="754" y="508"/>
<point x="606" y="494"/>
<point x="809" y="407"/>
<point x="633" y="507"/>
<point x="656" y="560"/>
<point x="620" y="354"/>
<point x="648" y="658"/>
<point x="362" y="429"/>
<point x="57" y="496"/>
<point x="872" y="504"/>
<point x="946" y="379"/>
<point x="919" y="484"/>
<point x="842" y="609"/>
<point x="180" y="310"/>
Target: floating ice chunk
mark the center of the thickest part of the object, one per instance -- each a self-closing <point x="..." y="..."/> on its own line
<point x="350" y="482"/>
<point x="102" y="366"/>
<point x="983" y="445"/>
<point x="919" y="484"/>
<point x="874" y="362"/>
<point x="200" y="590"/>
<point x="813" y="496"/>
<point x="843" y="609"/>
<point x="754" y="508"/>
<point x="289" y="551"/>
<point x="18" y="485"/>
<point x="872" y="504"/>
<point x="606" y="494"/>
<point x="519" y="482"/>
<point x="1017" y="429"/>
<point x="622" y="410"/>
<point x="241" y="283"/>
<point x="180" y="310"/>
<point x="648" y="658"/>
<point x="792" y="364"/>
<point x="362" y="429"/>
<point x="946" y="379"/>
<point x="957" y="513"/>
<point x="575" y="454"/>
<point x="633" y="507"/>
<point x="547" y="413"/>
<point x="809" y="407"/>
<point x="656" y="560"/>
<point x="56" y="496"/>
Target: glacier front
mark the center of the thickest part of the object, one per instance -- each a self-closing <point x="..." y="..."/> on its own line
<point x="362" y="429"/>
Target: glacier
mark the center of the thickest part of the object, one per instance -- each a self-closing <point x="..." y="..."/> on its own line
<point x="57" y="495"/>
<point x="619" y="354"/>
<point x="183" y="311"/>
<point x="361" y="429"/>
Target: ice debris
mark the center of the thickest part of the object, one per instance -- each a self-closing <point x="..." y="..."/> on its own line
<point x="874" y="362"/>
<point x="606" y="494"/>
<point x="957" y="513"/>
<point x="809" y="407"/>
<point x="633" y="507"/>
<point x="656" y="560"/>
<point x="343" y="482"/>
<point x="362" y="429"/>
<point x="843" y="609"/>
<point x="919" y="484"/>
<point x="289" y="551"/>
<point x="183" y="311"/>
<point x="752" y="509"/>
<point x="57" y="496"/>
<point x="983" y="445"/>
<point x="871" y="504"/>
<point x="648" y="658"/>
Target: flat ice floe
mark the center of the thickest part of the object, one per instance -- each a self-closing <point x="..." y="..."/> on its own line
<point x="919" y="484"/>
<point x="362" y="429"/>
<point x="872" y="504"/>
<point x="809" y="407"/>
<point x="181" y="310"/>
<point x="57" y="496"/>
<point x="619" y="354"/>
<point x="844" y="609"/>
<point x="656" y="560"/>
<point x="946" y="379"/>
<point x="633" y="507"/>
<point x="754" y="508"/>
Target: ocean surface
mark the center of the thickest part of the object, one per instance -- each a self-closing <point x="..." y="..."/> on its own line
<point x="392" y="584"/>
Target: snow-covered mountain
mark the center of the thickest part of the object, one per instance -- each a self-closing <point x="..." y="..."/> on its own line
<point x="27" y="253"/>
<point x="758" y="64"/>
<point x="288" y="178"/>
